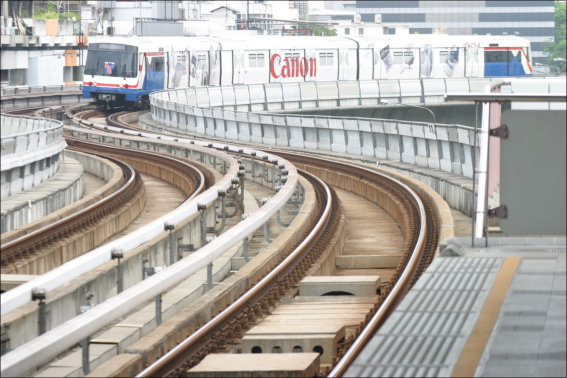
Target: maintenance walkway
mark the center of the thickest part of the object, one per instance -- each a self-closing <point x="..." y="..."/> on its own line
<point x="478" y="311"/>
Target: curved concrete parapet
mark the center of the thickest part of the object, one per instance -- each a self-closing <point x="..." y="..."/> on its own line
<point x="244" y="113"/>
<point x="48" y="95"/>
<point x="255" y="114"/>
<point x="59" y="196"/>
<point x="440" y="155"/>
<point x="23" y="208"/>
<point x="31" y="149"/>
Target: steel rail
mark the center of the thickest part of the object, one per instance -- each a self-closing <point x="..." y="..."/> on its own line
<point x="50" y="234"/>
<point x="113" y="120"/>
<point x="172" y="162"/>
<point x="407" y="277"/>
<point x="21" y="295"/>
<point x="177" y="355"/>
<point x="394" y="296"/>
<point x="73" y="222"/>
<point x="47" y="346"/>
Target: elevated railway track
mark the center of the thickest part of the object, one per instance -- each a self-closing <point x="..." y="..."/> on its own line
<point x="420" y="241"/>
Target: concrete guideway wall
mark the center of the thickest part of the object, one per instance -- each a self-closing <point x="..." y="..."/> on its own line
<point x="46" y="209"/>
<point x="31" y="149"/>
<point x="22" y="209"/>
<point x="242" y="113"/>
<point x="19" y="90"/>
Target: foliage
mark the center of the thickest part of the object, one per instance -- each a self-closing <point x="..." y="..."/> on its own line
<point x="51" y="13"/>
<point x="322" y="30"/>
<point x="316" y="29"/>
<point x="557" y="49"/>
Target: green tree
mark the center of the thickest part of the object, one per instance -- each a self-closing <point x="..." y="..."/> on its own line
<point x="322" y="30"/>
<point x="51" y="11"/>
<point x="316" y="29"/>
<point x="556" y="49"/>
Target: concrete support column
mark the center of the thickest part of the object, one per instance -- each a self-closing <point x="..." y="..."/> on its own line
<point x="409" y="149"/>
<point x="394" y="147"/>
<point x="353" y="142"/>
<point x="445" y="161"/>
<point x="433" y="157"/>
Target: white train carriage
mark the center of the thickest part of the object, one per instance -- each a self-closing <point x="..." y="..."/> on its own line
<point x="124" y="70"/>
<point x="121" y="70"/>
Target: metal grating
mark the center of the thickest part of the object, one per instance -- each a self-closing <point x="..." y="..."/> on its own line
<point x="428" y="330"/>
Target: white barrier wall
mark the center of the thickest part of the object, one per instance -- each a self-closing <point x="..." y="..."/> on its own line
<point x="242" y="113"/>
<point x="31" y="149"/>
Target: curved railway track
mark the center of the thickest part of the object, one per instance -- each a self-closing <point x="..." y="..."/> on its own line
<point x="416" y="217"/>
<point x="418" y="221"/>
<point x="421" y="240"/>
<point x="33" y="242"/>
<point x="257" y="300"/>
<point x="189" y="178"/>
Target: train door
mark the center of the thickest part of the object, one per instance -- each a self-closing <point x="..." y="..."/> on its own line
<point x="377" y="63"/>
<point x="155" y="71"/>
<point x="384" y="63"/>
<point x="239" y="63"/>
<point x="178" y="69"/>
<point x="426" y="61"/>
<point x="365" y="64"/>
<point x="215" y="66"/>
<point x="347" y="64"/>
<point x="474" y="60"/>
<point x="199" y="69"/>
<point x="448" y="62"/>
<point x="226" y="67"/>
<point x="257" y="66"/>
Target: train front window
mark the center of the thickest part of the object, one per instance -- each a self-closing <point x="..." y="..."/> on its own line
<point x="502" y="56"/>
<point x="111" y="59"/>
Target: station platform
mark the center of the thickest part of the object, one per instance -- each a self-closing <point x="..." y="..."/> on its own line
<point x="485" y="311"/>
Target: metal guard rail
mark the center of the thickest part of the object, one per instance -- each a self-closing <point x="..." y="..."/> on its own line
<point x="49" y="345"/>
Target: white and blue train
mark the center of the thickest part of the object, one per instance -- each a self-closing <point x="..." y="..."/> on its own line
<point x="122" y="70"/>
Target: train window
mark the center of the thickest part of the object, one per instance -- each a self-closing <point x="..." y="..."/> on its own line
<point x="291" y="55"/>
<point x="347" y="31"/>
<point x="111" y="63"/>
<point x="255" y="60"/>
<point x="326" y="59"/>
<point x="502" y="56"/>
<point x="403" y="57"/>
<point x="449" y="55"/>
<point x="158" y="64"/>
<point x="398" y="57"/>
<point x="200" y="62"/>
<point x="360" y="31"/>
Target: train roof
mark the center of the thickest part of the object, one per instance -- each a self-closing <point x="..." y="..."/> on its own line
<point x="442" y="40"/>
<point x="261" y="42"/>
